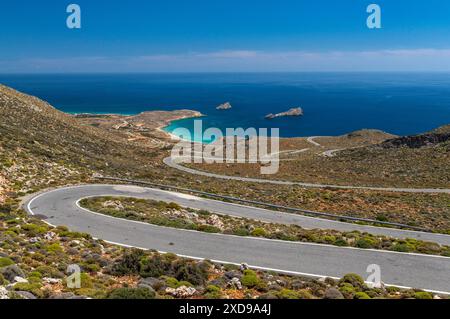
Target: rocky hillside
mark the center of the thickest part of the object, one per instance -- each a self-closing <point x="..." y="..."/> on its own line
<point x="411" y="161"/>
<point x="41" y="145"/>
<point x="438" y="136"/>
<point x="27" y="122"/>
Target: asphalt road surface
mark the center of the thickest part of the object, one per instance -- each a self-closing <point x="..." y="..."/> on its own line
<point x="177" y="161"/>
<point x="60" y="207"/>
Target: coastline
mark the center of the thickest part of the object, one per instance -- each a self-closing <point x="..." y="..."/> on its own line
<point x="167" y="123"/>
<point x="157" y="120"/>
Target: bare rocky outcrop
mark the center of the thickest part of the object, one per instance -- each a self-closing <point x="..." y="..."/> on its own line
<point x="292" y="112"/>
<point x="181" y="292"/>
<point x="224" y="106"/>
<point x="417" y="141"/>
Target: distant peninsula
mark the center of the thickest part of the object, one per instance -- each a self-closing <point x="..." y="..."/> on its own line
<point x="292" y="112"/>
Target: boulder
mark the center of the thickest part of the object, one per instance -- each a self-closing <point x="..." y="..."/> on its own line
<point x="333" y="293"/>
<point x="274" y="287"/>
<point x="232" y="274"/>
<point x="4" y="293"/>
<point x="181" y="292"/>
<point x="25" y="294"/>
<point x="52" y="281"/>
<point x="151" y="283"/>
<point x="72" y="251"/>
<point x="244" y="266"/>
<point x="50" y="235"/>
<point x="235" y="283"/>
<point x="19" y="280"/>
<point x="12" y="271"/>
<point x="215" y="221"/>
<point x="34" y="240"/>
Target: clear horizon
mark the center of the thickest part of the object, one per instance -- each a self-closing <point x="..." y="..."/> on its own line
<point x="219" y="36"/>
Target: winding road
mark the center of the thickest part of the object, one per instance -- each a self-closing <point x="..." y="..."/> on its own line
<point x="60" y="207"/>
<point x="174" y="163"/>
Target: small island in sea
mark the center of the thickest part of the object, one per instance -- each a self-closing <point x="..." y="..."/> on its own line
<point x="292" y="112"/>
<point x="224" y="106"/>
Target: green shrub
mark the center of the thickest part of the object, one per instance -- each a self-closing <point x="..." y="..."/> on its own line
<point x="347" y="289"/>
<point x="191" y="271"/>
<point x="203" y="213"/>
<point x="54" y="248"/>
<point x="446" y="252"/>
<point x="86" y="280"/>
<point x="48" y="271"/>
<point x="36" y="274"/>
<point x="5" y="208"/>
<point x="304" y="294"/>
<point x="12" y="222"/>
<point x="131" y="293"/>
<point x="341" y="242"/>
<point x="62" y="228"/>
<point x="428" y="248"/>
<point x="375" y="292"/>
<point x="392" y="289"/>
<point x="213" y="292"/>
<point x="250" y="278"/>
<point x="174" y="206"/>
<point x="34" y="288"/>
<point x="241" y="232"/>
<point x="382" y="218"/>
<point x="259" y="232"/>
<point x="90" y="267"/>
<point x="154" y="266"/>
<point x="423" y="295"/>
<point x="208" y="229"/>
<point x="74" y="235"/>
<point x="366" y="242"/>
<point x="2" y="280"/>
<point x="330" y="239"/>
<point x="287" y="294"/>
<point x="129" y="264"/>
<point x="184" y="283"/>
<point x="171" y="282"/>
<point x="34" y="279"/>
<point x="34" y="230"/>
<point x="5" y="261"/>
<point x="353" y="279"/>
<point x="403" y="247"/>
<point x="361" y="295"/>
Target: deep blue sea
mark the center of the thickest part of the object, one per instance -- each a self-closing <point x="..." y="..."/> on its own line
<point x="334" y="103"/>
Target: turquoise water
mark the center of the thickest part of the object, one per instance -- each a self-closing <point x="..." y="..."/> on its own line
<point x="334" y="103"/>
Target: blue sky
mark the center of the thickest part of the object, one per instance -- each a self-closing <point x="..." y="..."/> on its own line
<point x="225" y="35"/>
